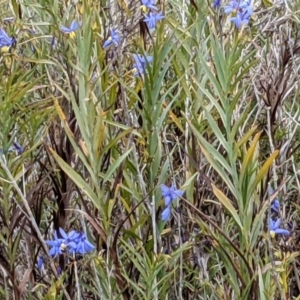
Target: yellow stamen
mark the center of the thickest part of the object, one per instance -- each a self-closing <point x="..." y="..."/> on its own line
<point x="72" y="34"/>
<point x="144" y="8"/>
<point x="272" y="234"/>
<point x="5" y="49"/>
<point x="63" y="247"/>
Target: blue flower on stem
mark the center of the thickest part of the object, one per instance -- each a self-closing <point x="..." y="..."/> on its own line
<point x="113" y="38"/>
<point x="242" y="10"/>
<point x="5" y="41"/>
<point x="71" y="31"/>
<point x="58" y="244"/>
<point x="148" y="4"/>
<point x="153" y="18"/>
<point x="274" y="228"/>
<point x="81" y="244"/>
<point x="140" y="63"/>
<point x="242" y="18"/>
<point x="74" y="241"/>
<point x="170" y="195"/>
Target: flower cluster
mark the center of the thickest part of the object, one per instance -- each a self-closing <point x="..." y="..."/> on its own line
<point x="73" y="242"/>
<point x="241" y="10"/>
<point x="5" y="41"/>
<point x="170" y="194"/>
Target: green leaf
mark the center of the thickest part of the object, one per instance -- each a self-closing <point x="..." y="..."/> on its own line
<point x="228" y="206"/>
<point x="78" y="180"/>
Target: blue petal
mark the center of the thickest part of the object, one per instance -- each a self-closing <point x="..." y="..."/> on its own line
<point x="237" y="21"/>
<point x="277" y="224"/>
<point x="176" y="194"/>
<point x="149" y="59"/>
<point x="74" y="25"/>
<point x="72" y="245"/>
<point x="65" y="29"/>
<point x="282" y="231"/>
<point x="88" y="246"/>
<point x="80" y="248"/>
<point x="168" y="200"/>
<point x="107" y="43"/>
<point x="63" y="233"/>
<point x="53" y="251"/>
<point x="275" y="205"/>
<point x="166" y="213"/>
<point x="165" y="190"/>
<point x="51" y="243"/>
<point x="18" y="147"/>
<point x="271" y="224"/>
<point x="72" y="233"/>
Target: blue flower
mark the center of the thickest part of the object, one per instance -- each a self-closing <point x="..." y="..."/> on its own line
<point x="242" y="18"/>
<point x="170" y="194"/>
<point x="165" y="215"/>
<point x="5" y="41"/>
<point x="81" y="244"/>
<point x="148" y="4"/>
<point x="274" y="228"/>
<point x="74" y="241"/>
<point x="113" y="38"/>
<point x="153" y="18"/>
<point x="140" y="63"/>
<point x="58" y="244"/>
<point x="71" y="31"/>
<point x="242" y="10"/>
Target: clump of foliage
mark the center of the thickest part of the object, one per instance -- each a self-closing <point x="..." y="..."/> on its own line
<point x="149" y="150"/>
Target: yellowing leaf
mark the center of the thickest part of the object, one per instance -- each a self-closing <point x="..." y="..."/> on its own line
<point x="262" y="173"/>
